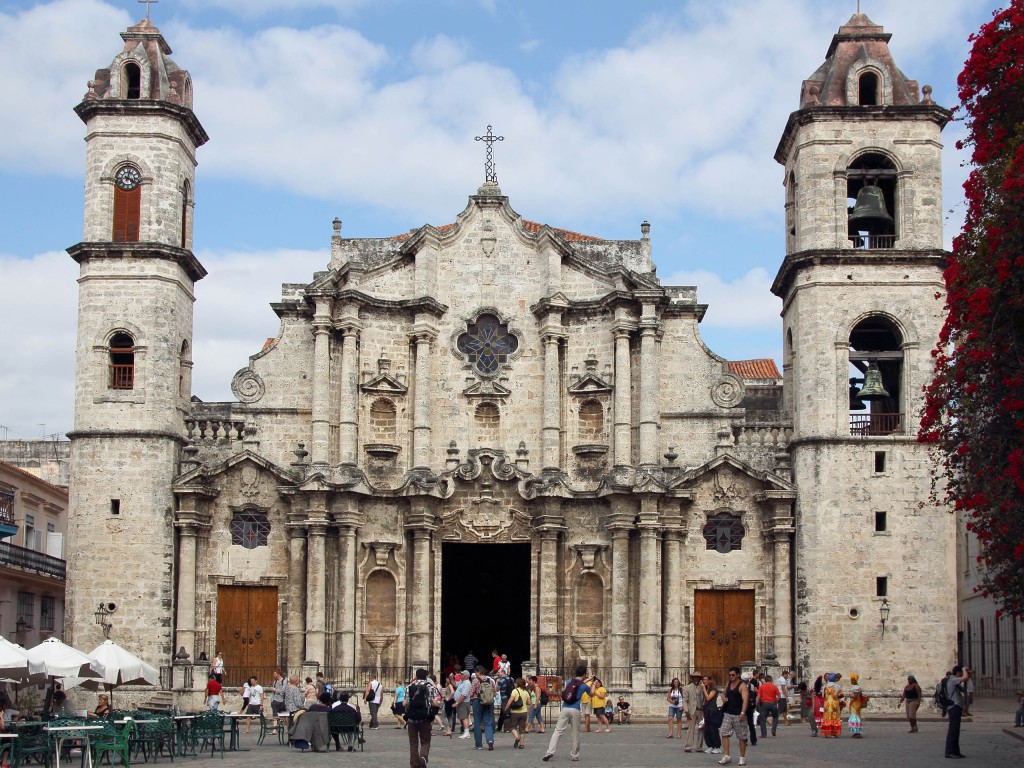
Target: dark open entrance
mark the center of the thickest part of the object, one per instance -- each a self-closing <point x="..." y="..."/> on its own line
<point x="485" y="602"/>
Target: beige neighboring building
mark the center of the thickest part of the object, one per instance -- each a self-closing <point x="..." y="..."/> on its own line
<point x="499" y="433"/>
<point x="33" y="525"/>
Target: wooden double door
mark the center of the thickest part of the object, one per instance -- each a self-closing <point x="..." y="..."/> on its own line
<point x="723" y="630"/>
<point x="247" y="632"/>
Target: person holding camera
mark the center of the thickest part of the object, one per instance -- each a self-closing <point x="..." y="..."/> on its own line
<point x="956" y="692"/>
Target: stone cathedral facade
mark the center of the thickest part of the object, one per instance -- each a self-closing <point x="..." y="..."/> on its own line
<point x="496" y="433"/>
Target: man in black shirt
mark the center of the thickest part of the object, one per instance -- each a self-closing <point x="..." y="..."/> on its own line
<point x="734" y="720"/>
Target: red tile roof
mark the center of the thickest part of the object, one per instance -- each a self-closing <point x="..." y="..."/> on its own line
<point x="763" y="368"/>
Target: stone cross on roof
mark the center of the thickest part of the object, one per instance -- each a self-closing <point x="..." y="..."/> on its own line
<point x="489" y="173"/>
<point x="147" y="2"/>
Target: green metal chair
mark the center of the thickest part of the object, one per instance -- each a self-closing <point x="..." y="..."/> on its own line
<point x="345" y="726"/>
<point x="208" y="730"/>
<point x="113" y="739"/>
<point x="279" y="727"/>
<point x="33" y="743"/>
<point x="152" y="738"/>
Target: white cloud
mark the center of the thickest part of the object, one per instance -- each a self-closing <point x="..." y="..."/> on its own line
<point x="744" y="303"/>
<point x="255" y="8"/>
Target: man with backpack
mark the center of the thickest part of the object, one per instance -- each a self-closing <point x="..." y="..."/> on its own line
<point x="953" y="693"/>
<point x="481" y="696"/>
<point x="569" y="716"/>
<point x="505" y="687"/>
<point x="422" y="702"/>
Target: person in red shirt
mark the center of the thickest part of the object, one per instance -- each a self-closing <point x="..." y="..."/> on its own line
<point x="214" y="696"/>
<point x="768" y="704"/>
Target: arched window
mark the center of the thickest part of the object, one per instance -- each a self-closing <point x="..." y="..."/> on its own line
<point x="185" y="190"/>
<point x="127" y="204"/>
<point x="591" y="420"/>
<point x="184" y="369"/>
<point x="871" y="201"/>
<point x="867" y="89"/>
<point x="250" y="529"/>
<point x="132" y="81"/>
<point x="381" y="616"/>
<point x="383" y="421"/>
<point x="488" y="420"/>
<point x="876" y="374"/>
<point x="122" y="362"/>
<point x="590" y="605"/>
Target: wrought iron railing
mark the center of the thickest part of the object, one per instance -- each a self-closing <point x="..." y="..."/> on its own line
<point x="862" y="242"/>
<point x="30" y="560"/>
<point x="997" y="665"/>
<point x="7" y="506"/>
<point x="871" y="424"/>
<point x="122" y="376"/>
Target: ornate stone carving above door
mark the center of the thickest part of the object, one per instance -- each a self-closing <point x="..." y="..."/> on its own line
<point x="485" y="520"/>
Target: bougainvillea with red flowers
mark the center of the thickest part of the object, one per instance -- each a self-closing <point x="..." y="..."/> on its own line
<point x="974" y="407"/>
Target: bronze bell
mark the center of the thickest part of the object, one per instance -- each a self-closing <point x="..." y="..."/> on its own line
<point x="856" y="404"/>
<point x="873" y="389"/>
<point x="870" y="214"/>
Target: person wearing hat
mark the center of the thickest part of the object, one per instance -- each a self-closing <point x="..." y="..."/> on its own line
<point x="693" y="706"/>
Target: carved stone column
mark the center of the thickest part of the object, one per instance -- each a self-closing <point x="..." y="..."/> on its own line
<point x="781" y="538"/>
<point x="295" y="627"/>
<point x="620" y="523"/>
<point x="623" y="400"/>
<point x="348" y="522"/>
<point x="649" y="634"/>
<point x="421" y="407"/>
<point x="548" y="528"/>
<point x="348" y="430"/>
<point x="185" y="636"/>
<point x="420" y="524"/>
<point x="320" y="448"/>
<point x="316" y="579"/>
<point x="551" y="432"/>
<point x="649" y="398"/>
<point x="673" y="619"/>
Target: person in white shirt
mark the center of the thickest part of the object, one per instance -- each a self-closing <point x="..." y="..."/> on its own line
<point x="505" y="665"/>
<point x="782" y="683"/>
<point x="374" y="695"/>
<point x="255" y="701"/>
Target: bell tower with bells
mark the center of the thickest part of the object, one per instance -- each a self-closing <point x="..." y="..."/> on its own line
<point x="864" y="260"/>
<point x="133" y="351"/>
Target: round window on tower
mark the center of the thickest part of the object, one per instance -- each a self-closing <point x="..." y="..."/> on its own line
<point x="127" y="177"/>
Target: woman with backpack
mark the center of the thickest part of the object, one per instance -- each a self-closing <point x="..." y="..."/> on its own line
<point x="912" y="695"/>
<point x="518" y="706"/>
<point x="538" y="700"/>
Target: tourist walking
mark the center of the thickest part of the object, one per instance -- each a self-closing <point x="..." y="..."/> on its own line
<point x="693" y="709"/>
<point x="911" y="696"/>
<point x="600" y="703"/>
<point x="277" y="696"/>
<point x="462" y="704"/>
<point x="831" y="725"/>
<point x="481" y="697"/>
<point x="782" y="683"/>
<point x="734" y="716"/>
<point x="806" y="706"/>
<point x="956" y="693"/>
<point x="818" y="700"/>
<point x="712" y="716"/>
<point x="538" y="698"/>
<point x="217" y="667"/>
<point x="857" y="701"/>
<point x="768" y="706"/>
<point x="449" y="704"/>
<point x="421" y="701"/>
<point x="675" y="708"/>
<point x="518" y="708"/>
<point x="753" y="681"/>
<point x="214" y="693"/>
<point x="506" y="684"/>
<point x="373" y="696"/>
<point x="293" y="698"/>
<point x="398" y="705"/>
<point x="469" y="663"/>
<point x="245" y="697"/>
<point x="255" y="701"/>
<point x="569" y="715"/>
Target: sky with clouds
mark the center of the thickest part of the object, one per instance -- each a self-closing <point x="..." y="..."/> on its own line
<point x="366" y="110"/>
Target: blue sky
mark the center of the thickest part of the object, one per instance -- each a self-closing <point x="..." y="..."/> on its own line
<point x="366" y="109"/>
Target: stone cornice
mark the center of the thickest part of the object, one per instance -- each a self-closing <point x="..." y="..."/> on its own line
<point x="934" y="257"/>
<point x="90" y="108"/>
<point x="145" y="250"/>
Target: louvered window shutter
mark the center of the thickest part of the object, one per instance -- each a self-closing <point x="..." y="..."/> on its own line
<point x="127" y="212"/>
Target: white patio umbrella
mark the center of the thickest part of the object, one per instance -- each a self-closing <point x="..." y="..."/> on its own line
<point x="60" y="660"/>
<point x="15" y="664"/>
<point x="121" y="667"/>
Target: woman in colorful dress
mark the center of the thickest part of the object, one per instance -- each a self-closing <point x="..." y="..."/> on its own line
<point x="856" y="702"/>
<point x="831" y="725"/>
<point x="819" y="704"/>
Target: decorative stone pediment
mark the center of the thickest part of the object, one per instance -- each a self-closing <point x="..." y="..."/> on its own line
<point x="487" y="388"/>
<point x="590" y="383"/>
<point x="384" y="383"/>
<point x="725" y="473"/>
<point x="485" y="520"/>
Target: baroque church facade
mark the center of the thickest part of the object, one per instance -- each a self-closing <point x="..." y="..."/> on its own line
<point x="499" y="433"/>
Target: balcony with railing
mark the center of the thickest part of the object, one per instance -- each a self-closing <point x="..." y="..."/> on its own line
<point x="122" y="376"/>
<point x="14" y="556"/>
<point x="8" y="525"/>
<point x="862" y="242"/>
<point x="875" y="424"/>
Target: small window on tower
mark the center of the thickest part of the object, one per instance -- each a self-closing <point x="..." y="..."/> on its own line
<point x="881" y="524"/>
<point x="881" y="586"/>
<point x="133" y="81"/>
<point x="185" y="189"/>
<point x="868" y="89"/>
<point x="122" y="362"/>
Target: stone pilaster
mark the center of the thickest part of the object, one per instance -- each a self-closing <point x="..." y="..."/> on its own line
<point x="420" y="524"/>
<point x="348" y="428"/>
<point x="551" y="431"/>
<point x="672" y="638"/>
<point x="316" y="579"/>
<point x="348" y="525"/>
<point x="649" y="618"/>
<point x="549" y="527"/>
<point x="295" y="627"/>
<point x="649" y="397"/>
<point x="185" y="634"/>
<point x="620" y="523"/>
<point x="623" y="400"/>
<point x="781" y="532"/>
<point x="421" y="406"/>
<point x="320" y="449"/>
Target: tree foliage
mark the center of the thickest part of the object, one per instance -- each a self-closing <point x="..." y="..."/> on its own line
<point x="974" y="406"/>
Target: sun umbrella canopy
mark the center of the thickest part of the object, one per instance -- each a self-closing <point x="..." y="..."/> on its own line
<point x="122" y="667"/>
<point x="60" y="660"/>
<point x="15" y="664"/>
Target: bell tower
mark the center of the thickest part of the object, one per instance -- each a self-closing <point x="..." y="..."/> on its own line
<point x="134" y="342"/>
<point x="864" y="260"/>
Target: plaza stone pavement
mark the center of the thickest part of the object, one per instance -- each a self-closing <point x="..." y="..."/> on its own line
<point x="886" y="743"/>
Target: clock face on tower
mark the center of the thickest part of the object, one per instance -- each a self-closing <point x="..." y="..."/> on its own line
<point x="128" y="178"/>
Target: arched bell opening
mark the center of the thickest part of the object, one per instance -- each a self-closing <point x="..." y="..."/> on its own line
<point x="871" y="201"/>
<point x="876" y="374"/>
